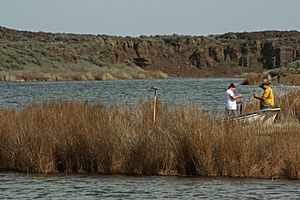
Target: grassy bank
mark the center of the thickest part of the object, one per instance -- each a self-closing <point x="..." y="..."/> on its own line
<point x="63" y="136"/>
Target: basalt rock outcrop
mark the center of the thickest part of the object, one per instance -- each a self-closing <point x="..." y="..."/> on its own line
<point x="174" y="54"/>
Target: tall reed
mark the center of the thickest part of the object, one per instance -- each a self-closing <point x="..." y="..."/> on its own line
<point x="72" y="136"/>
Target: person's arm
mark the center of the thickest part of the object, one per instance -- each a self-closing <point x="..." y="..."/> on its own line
<point x="263" y="97"/>
<point x="236" y="97"/>
<point x="259" y="97"/>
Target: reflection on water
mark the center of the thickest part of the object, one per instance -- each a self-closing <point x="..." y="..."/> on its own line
<point x="20" y="186"/>
<point x="205" y="92"/>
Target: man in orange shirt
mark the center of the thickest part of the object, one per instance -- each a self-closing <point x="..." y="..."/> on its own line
<point x="267" y="98"/>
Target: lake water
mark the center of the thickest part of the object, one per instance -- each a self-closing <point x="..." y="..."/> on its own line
<point x="21" y="186"/>
<point x="207" y="93"/>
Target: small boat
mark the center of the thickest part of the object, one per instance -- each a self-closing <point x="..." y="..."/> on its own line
<point x="265" y="116"/>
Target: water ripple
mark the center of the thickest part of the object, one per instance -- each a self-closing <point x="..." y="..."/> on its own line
<point x="205" y="92"/>
<point x="20" y="186"/>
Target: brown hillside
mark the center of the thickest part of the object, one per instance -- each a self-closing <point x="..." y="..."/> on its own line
<point x="174" y="54"/>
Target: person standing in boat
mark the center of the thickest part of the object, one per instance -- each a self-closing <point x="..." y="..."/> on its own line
<point x="267" y="98"/>
<point x="230" y="101"/>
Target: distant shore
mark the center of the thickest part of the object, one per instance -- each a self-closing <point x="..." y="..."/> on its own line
<point x="251" y="78"/>
<point x="79" y="75"/>
<point x="62" y="56"/>
<point x="255" y="78"/>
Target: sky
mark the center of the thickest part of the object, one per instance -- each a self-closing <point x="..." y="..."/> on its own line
<point x="150" y="17"/>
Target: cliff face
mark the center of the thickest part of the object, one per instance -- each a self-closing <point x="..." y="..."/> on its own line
<point x="175" y="55"/>
<point x="269" y="49"/>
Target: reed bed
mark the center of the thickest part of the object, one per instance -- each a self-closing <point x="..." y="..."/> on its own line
<point x="61" y="136"/>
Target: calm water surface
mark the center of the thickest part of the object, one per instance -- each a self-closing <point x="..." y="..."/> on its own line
<point x="206" y="93"/>
<point x="20" y="186"/>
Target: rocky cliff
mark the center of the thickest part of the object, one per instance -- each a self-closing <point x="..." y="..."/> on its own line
<point x="175" y="54"/>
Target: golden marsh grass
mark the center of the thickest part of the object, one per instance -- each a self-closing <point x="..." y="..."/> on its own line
<point x="70" y="136"/>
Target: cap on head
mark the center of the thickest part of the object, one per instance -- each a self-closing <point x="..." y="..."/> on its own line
<point x="231" y="85"/>
<point x="264" y="82"/>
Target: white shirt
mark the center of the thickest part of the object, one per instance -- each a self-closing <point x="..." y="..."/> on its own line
<point x="229" y="102"/>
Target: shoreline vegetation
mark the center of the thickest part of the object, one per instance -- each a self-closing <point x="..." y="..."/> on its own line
<point x="80" y="75"/>
<point x="253" y="78"/>
<point x="61" y="136"/>
<point x="250" y="78"/>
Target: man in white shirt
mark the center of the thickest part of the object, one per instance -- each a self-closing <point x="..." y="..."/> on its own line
<point x="230" y="101"/>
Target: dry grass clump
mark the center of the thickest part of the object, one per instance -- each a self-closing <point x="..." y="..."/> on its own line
<point x="72" y="136"/>
<point x="252" y="78"/>
<point x="290" y="105"/>
<point x="7" y="77"/>
<point x="107" y="76"/>
<point x="291" y="79"/>
<point x="139" y="76"/>
<point x="157" y="74"/>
